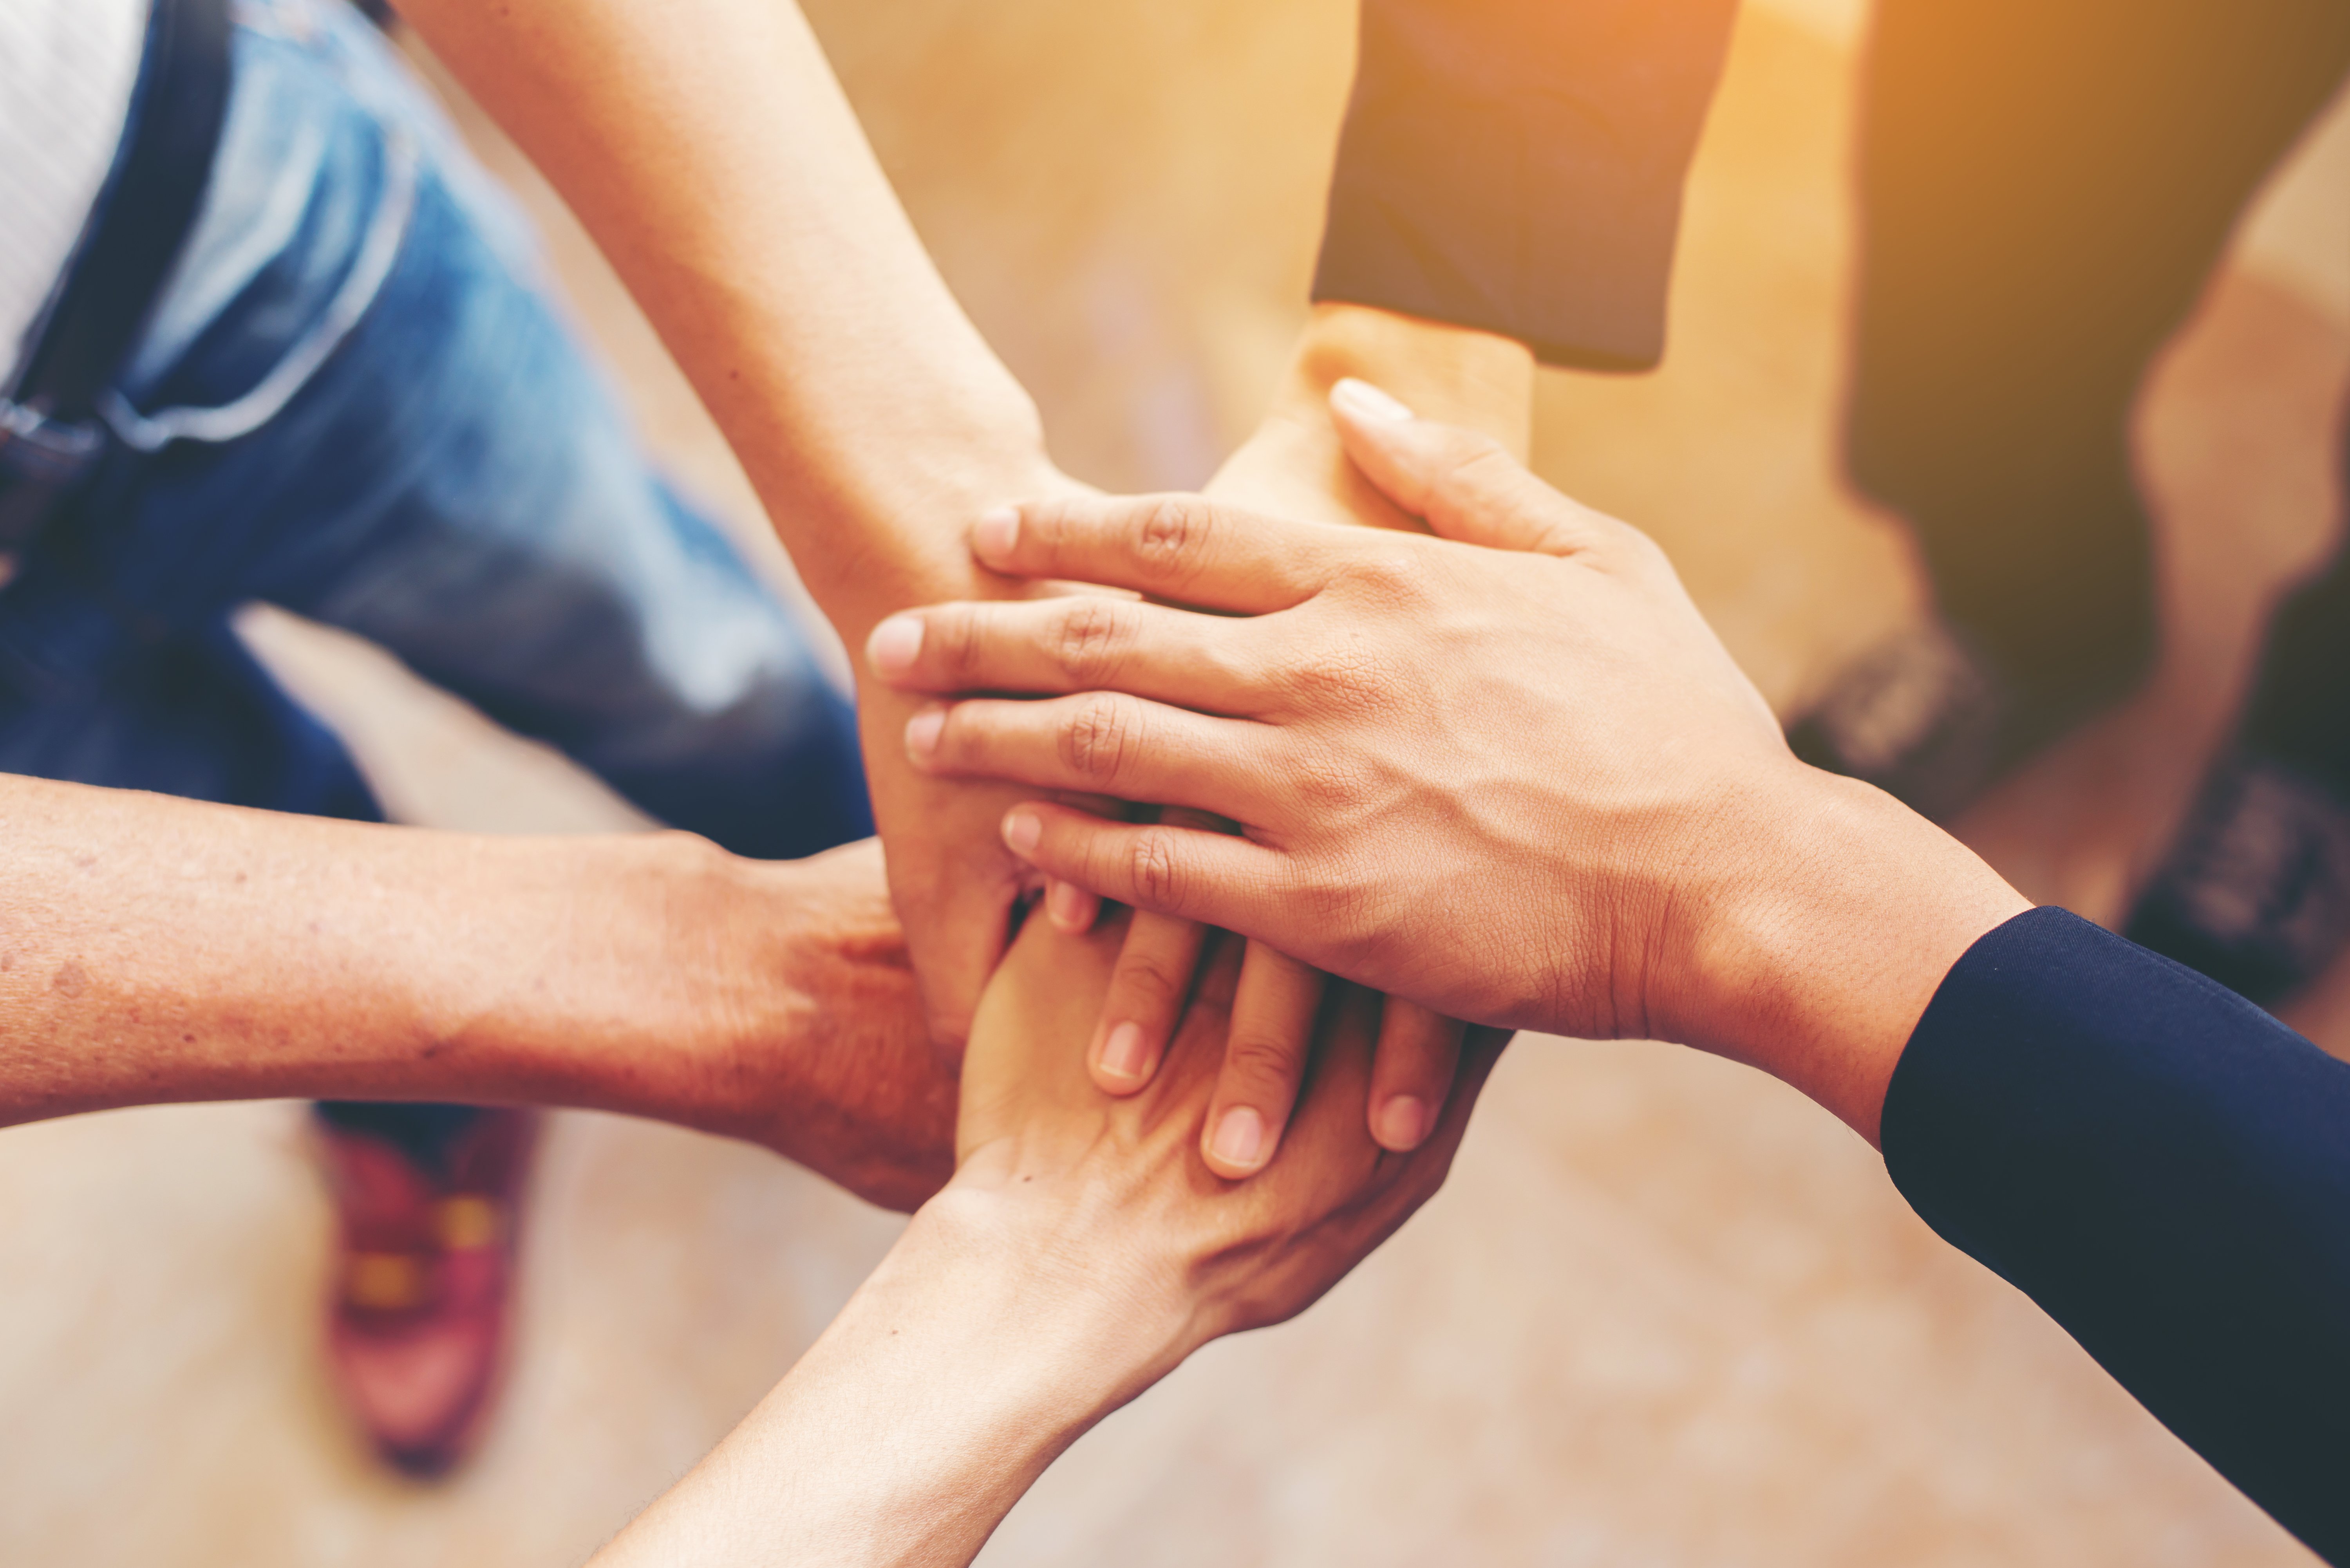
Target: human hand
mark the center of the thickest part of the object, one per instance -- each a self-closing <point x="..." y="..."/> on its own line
<point x="808" y="1032"/>
<point x="1082" y="1251"/>
<point x="1109" y="1200"/>
<point x="954" y="885"/>
<point x="1521" y="785"/>
<point x="1295" y="466"/>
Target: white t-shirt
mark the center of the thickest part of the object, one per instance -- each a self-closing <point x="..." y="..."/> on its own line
<point x="66" y="70"/>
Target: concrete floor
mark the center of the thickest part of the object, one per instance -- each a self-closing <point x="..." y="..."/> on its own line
<point x="1666" y="1313"/>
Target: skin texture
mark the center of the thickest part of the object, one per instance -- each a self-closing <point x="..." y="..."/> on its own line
<point x="158" y="949"/>
<point x="1295" y="466"/>
<point x="1082" y="1251"/>
<point x="1508" y="772"/>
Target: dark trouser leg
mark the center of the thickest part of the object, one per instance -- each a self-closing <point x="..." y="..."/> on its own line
<point x="2256" y="891"/>
<point x="188" y="713"/>
<point x="2045" y="184"/>
<point x="2300" y="707"/>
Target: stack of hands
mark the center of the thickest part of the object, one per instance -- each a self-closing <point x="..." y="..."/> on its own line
<point x="1505" y="774"/>
<point x="1363" y="799"/>
<point x="1316" y="785"/>
<point x="1313" y="808"/>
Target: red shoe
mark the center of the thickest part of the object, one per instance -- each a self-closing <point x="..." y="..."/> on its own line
<point x="423" y="1281"/>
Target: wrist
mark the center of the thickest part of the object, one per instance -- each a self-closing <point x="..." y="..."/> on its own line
<point x="1099" y="1305"/>
<point x="879" y="531"/>
<point x="1296" y="464"/>
<point x="1819" y="949"/>
<point x="645" y="968"/>
<point x="979" y="1331"/>
<point x="1456" y="375"/>
<point x="935" y="1398"/>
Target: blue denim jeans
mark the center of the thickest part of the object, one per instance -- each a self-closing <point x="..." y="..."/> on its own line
<point x="355" y="401"/>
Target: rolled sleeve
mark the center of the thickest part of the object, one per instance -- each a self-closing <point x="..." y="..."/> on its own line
<point x="1517" y="166"/>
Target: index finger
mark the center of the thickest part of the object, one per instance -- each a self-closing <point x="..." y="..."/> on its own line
<point x="1182" y="548"/>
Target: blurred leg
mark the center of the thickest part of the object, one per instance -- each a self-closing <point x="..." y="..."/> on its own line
<point x="2045" y="188"/>
<point x="187" y="712"/>
<point x="2256" y="891"/>
<point x="429" y="1201"/>
<point x="454" y="483"/>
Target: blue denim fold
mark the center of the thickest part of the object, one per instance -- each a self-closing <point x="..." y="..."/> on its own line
<point x="357" y="400"/>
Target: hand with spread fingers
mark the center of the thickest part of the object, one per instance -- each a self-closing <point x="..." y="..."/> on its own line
<point x="1508" y="772"/>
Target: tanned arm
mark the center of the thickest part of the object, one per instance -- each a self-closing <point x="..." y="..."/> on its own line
<point x="159" y="950"/>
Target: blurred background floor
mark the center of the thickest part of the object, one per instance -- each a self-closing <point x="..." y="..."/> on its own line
<point x="1665" y="1313"/>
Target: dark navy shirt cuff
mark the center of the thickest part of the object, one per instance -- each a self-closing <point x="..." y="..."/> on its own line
<point x="2165" y="1169"/>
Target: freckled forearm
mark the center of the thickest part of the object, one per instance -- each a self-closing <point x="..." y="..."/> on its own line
<point x="156" y="950"/>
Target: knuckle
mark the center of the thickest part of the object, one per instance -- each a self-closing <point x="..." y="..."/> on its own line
<point x="1343" y="897"/>
<point x="1394" y="578"/>
<point x="1474" y="475"/>
<point x="1148" y="979"/>
<point x="954" y="633"/>
<point x="1175" y="536"/>
<point x="1098" y="741"/>
<point x="1262" y="1064"/>
<point x="1091" y="636"/>
<point x="1326" y="785"/>
<point x="1348" y="678"/>
<point x="1154" y="875"/>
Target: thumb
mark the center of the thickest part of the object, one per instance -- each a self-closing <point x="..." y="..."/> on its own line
<point x="1464" y="485"/>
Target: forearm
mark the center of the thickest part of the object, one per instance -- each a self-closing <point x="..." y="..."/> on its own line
<point x="935" y="1399"/>
<point x="161" y="950"/>
<point x="707" y="147"/>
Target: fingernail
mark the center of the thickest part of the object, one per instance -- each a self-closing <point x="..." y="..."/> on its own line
<point x="895" y="644"/>
<point x="1365" y="402"/>
<point x="1022" y="829"/>
<point x="1068" y="908"/>
<point x="997" y="530"/>
<point x="1239" y="1136"/>
<point x="922" y="733"/>
<point x="1402" y="1123"/>
<point x="1122" y="1055"/>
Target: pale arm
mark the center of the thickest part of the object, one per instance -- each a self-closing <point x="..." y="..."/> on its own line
<point x="707" y="147"/>
<point x="159" y="950"/>
<point x="1081" y="1252"/>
